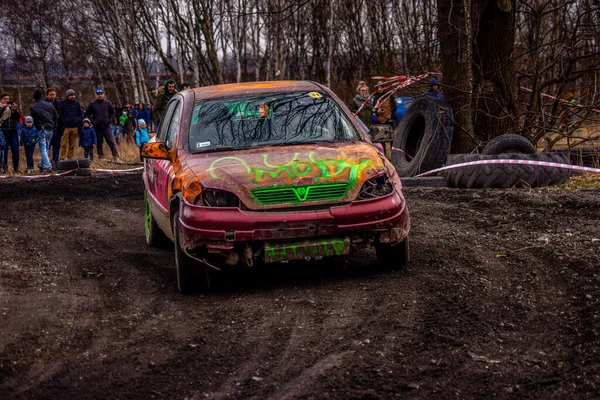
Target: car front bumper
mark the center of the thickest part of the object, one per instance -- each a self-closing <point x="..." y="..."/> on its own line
<point x="383" y="219"/>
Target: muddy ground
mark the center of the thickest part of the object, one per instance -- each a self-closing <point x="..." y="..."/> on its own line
<point x="501" y="300"/>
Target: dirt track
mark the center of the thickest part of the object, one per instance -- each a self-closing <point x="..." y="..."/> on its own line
<point x="501" y="299"/>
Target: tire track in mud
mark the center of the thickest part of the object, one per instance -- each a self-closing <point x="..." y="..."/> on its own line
<point x="338" y="328"/>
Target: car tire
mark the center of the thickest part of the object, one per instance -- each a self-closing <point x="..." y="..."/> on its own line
<point x="424" y="181"/>
<point x="509" y="143"/>
<point x="191" y="274"/>
<point x="67" y="165"/>
<point x="155" y="237"/>
<point x="424" y="135"/>
<point x="393" y="255"/>
<point x="506" y="175"/>
<point x="76" y="172"/>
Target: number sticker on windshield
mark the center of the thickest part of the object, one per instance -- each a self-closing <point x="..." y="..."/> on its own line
<point x="202" y="144"/>
<point x="315" y="95"/>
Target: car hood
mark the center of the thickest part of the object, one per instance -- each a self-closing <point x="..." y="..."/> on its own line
<point x="268" y="169"/>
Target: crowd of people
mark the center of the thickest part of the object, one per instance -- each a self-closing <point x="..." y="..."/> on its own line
<point x="57" y="127"/>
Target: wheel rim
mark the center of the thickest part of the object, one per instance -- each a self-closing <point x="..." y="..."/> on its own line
<point x="148" y="218"/>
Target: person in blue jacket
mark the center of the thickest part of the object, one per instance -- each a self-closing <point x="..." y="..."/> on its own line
<point x="87" y="139"/>
<point x="434" y="90"/>
<point x="141" y="136"/>
<point x="30" y="137"/>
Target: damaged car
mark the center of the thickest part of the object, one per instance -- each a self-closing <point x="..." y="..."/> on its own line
<point x="268" y="172"/>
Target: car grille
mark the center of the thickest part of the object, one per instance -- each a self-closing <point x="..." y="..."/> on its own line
<point x="300" y="194"/>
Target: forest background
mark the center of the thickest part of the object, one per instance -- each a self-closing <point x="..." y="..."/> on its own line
<point x="497" y="58"/>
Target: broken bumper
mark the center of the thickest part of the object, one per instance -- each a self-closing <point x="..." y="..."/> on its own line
<point x="384" y="219"/>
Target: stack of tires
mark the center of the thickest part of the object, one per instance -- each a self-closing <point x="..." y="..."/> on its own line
<point x="75" y="167"/>
<point x="422" y="143"/>
<point x="507" y="147"/>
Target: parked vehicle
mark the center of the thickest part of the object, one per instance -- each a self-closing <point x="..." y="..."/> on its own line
<point x="269" y="172"/>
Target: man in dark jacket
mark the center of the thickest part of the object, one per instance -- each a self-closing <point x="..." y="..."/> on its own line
<point x="51" y="97"/>
<point x="434" y="90"/>
<point x="71" y="117"/>
<point x="163" y="97"/>
<point x="45" y="120"/>
<point x="9" y="117"/>
<point x="102" y="114"/>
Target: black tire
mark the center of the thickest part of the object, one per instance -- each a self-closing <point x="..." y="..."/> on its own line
<point x="191" y="274"/>
<point x="506" y="175"/>
<point x="77" y="172"/>
<point x="155" y="237"/>
<point x="393" y="256"/>
<point x="509" y="143"/>
<point x="66" y="165"/>
<point x="424" y="135"/>
<point x="424" y="181"/>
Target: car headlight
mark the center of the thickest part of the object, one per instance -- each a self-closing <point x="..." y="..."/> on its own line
<point x="217" y="198"/>
<point x="375" y="187"/>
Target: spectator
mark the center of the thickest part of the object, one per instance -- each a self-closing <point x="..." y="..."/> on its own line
<point x="434" y="90"/>
<point x="15" y="107"/>
<point x="70" y="114"/>
<point x="566" y="114"/>
<point x="384" y="107"/>
<point x="141" y="136"/>
<point x="58" y="130"/>
<point x="30" y="137"/>
<point x="88" y="139"/>
<point x="45" y="120"/>
<point x="102" y="113"/>
<point x="2" y="145"/>
<point x="135" y="110"/>
<point x="9" y="118"/>
<point x="162" y="99"/>
<point x="366" y="112"/>
<point x="185" y="86"/>
<point x="144" y="113"/>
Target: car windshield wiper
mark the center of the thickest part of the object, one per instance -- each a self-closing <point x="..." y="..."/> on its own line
<point x="296" y="142"/>
<point x="218" y="148"/>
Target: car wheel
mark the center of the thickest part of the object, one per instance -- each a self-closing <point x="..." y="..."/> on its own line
<point x="67" y="165"/>
<point x="393" y="255"/>
<point x="191" y="275"/>
<point x="423" y="137"/>
<point x="154" y="235"/>
<point x="509" y="143"/>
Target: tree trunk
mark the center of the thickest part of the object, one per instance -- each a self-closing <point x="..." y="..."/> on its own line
<point x="495" y="78"/>
<point x="454" y="37"/>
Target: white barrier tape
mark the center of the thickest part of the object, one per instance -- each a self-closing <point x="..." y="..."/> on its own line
<point x="37" y="176"/>
<point x="549" y="96"/>
<point x="118" y="171"/>
<point x="508" y="161"/>
<point x="110" y="171"/>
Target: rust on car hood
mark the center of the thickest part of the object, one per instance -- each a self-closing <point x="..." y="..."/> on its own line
<point x="252" y="88"/>
<point x="243" y="171"/>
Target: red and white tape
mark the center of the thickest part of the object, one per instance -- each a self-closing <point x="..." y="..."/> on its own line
<point x="109" y="171"/>
<point x="118" y="171"/>
<point x="508" y="161"/>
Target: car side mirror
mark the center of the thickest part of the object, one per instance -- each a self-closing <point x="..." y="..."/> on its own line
<point x="156" y="150"/>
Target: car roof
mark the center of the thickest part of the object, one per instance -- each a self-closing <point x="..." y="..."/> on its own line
<point x="253" y="88"/>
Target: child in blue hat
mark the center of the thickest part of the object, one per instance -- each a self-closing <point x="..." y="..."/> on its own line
<point x="141" y="136"/>
<point x="30" y="137"/>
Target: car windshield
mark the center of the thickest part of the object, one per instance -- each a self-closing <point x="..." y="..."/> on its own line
<point x="268" y="120"/>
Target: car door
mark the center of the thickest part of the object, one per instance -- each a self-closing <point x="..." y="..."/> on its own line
<point x="163" y="168"/>
<point x="152" y="164"/>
